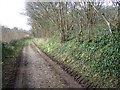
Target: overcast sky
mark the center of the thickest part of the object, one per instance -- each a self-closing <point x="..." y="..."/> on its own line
<point x="10" y="13"/>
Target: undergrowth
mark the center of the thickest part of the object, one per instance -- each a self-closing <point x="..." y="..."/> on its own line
<point x="11" y="49"/>
<point x="97" y="60"/>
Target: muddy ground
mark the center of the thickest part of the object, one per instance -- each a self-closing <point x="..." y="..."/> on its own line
<point x="9" y="71"/>
<point x="39" y="71"/>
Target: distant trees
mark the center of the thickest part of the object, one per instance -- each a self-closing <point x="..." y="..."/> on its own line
<point x="12" y="34"/>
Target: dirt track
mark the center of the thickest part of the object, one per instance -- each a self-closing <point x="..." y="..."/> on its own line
<point x="39" y="71"/>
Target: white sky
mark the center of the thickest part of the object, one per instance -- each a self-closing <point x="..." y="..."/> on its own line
<point x="10" y="13"/>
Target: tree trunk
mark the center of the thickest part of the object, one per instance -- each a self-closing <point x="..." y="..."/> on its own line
<point x="118" y="26"/>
